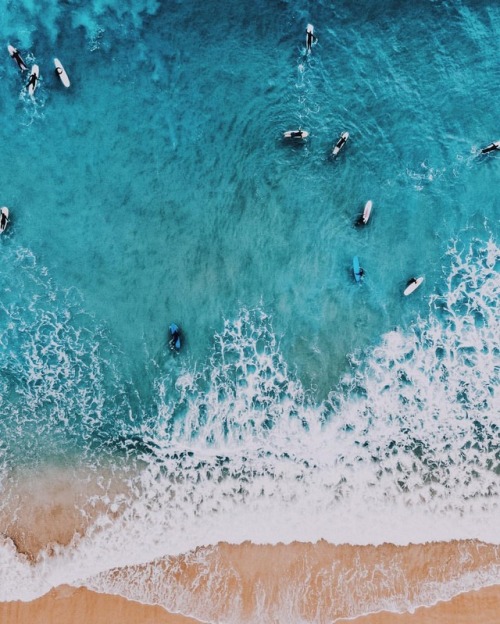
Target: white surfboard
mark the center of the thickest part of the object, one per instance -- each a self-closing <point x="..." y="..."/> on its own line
<point x="61" y="72"/>
<point x="340" y="143"/>
<point x="35" y="71"/>
<point x="295" y="134"/>
<point x="4" y="219"/>
<point x="413" y="285"/>
<point x="309" y="36"/>
<point x="367" y="211"/>
<point x="17" y="57"/>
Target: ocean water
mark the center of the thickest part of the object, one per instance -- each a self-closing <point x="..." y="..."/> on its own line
<point x="158" y="188"/>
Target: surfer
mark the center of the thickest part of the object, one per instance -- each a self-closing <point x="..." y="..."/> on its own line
<point x="296" y="134"/>
<point x="3" y="221"/>
<point x="340" y="143"/>
<point x="491" y="147"/>
<point x="310" y="38"/>
<point x="32" y="81"/>
<point x="413" y="280"/>
<point x="175" y="337"/>
<point x="17" y="57"/>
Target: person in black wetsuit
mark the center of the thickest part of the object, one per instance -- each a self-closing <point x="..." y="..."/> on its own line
<point x="32" y="81"/>
<point x="491" y="148"/>
<point x="310" y="39"/>
<point x="17" y="57"/>
<point x="3" y="222"/>
<point x="340" y="143"/>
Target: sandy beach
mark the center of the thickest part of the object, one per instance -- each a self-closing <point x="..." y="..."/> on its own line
<point x="308" y="582"/>
<point x="66" y="604"/>
<point x="317" y="583"/>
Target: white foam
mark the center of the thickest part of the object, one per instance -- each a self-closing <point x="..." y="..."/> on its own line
<point x="403" y="450"/>
<point x="341" y="593"/>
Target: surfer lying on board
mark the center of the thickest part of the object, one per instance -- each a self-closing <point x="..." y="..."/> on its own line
<point x="491" y="147"/>
<point x="310" y="38"/>
<point x="17" y="57"/>
<point x="175" y="337"/>
<point x="32" y="81"/>
<point x="3" y="221"/>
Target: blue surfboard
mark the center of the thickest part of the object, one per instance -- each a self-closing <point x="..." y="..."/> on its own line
<point x="175" y="337"/>
<point x="356" y="268"/>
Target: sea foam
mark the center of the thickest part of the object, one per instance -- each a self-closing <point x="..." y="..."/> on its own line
<point x="405" y="448"/>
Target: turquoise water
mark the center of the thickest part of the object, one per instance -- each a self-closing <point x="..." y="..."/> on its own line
<point x="158" y="188"/>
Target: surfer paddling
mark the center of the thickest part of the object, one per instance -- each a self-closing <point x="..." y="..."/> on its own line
<point x="17" y="57"/>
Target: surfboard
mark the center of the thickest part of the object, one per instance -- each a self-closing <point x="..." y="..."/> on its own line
<point x="356" y="268"/>
<point x="309" y="34"/>
<point x="34" y="71"/>
<point x="175" y="337"/>
<point x="14" y="53"/>
<point x="3" y="223"/>
<point x="340" y="143"/>
<point x="491" y="147"/>
<point x="413" y="285"/>
<point x="367" y="211"/>
<point x="295" y="134"/>
<point x="61" y="72"/>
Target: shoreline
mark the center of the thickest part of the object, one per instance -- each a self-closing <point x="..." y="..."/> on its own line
<point x="319" y="582"/>
<point x="83" y="606"/>
<point x="242" y="583"/>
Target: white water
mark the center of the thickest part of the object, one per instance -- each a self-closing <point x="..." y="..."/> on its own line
<point x="404" y="450"/>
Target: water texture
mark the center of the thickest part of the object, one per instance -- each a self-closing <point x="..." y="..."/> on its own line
<point x="158" y="188"/>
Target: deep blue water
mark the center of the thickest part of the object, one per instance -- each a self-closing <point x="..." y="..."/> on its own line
<point x="158" y="188"/>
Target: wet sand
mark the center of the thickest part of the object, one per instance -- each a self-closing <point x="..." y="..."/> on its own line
<point x="80" y="606"/>
<point x="65" y="605"/>
<point x="305" y="582"/>
<point x="476" y="607"/>
<point x="248" y="583"/>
